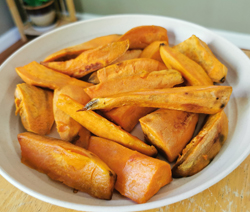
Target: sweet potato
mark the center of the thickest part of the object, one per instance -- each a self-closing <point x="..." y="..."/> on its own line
<point x="169" y="130"/>
<point x="82" y="138"/>
<point x="73" y="51"/>
<point x="101" y="126"/>
<point x="204" y="147"/>
<point x="141" y="36"/>
<point x="35" y="106"/>
<point x="62" y="161"/>
<point x="153" y="51"/>
<point x="139" y="177"/>
<point x="128" y="55"/>
<point x="38" y="75"/>
<point x="146" y="80"/>
<point x="129" y="68"/>
<point x="90" y="60"/>
<point x="190" y="70"/>
<point x="194" y="99"/>
<point x="127" y="116"/>
<point x="198" y="50"/>
<point x="67" y="127"/>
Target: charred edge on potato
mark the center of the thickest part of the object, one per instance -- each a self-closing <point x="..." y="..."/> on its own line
<point x="90" y="105"/>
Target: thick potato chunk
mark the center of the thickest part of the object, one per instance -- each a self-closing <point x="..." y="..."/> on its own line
<point x="203" y="147"/>
<point x="72" y="165"/>
<point x="169" y="130"/>
<point x="139" y="177"/>
<point x="35" y="106"/>
<point x="198" y="50"/>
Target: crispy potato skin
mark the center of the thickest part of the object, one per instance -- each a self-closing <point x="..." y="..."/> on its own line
<point x="91" y="60"/>
<point x="198" y="51"/>
<point x="139" y="177"/>
<point x="204" y="147"/>
<point x="73" y="51"/>
<point x="35" y="107"/>
<point x="190" y="70"/>
<point x="141" y="36"/>
<point x="74" y="166"/>
<point x="169" y="130"/>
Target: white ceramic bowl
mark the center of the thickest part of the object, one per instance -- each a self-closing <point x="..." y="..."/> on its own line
<point x="235" y="150"/>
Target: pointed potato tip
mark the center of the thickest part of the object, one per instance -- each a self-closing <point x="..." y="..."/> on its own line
<point x="90" y="105"/>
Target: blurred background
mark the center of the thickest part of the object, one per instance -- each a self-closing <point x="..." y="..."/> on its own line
<point x="225" y="15"/>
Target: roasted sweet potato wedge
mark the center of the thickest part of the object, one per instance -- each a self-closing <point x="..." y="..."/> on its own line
<point x="129" y="68"/>
<point x="145" y="80"/>
<point x="129" y="55"/>
<point x="101" y="126"/>
<point x="62" y="161"/>
<point x="194" y="99"/>
<point x="127" y="116"/>
<point x="38" y="75"/>
<point x="90" y="60"/>
<point x="198" y="50"/>
<point x="169" y="130"/>
<point x="204" y="147"/>
<point x="153" y="51"/>
<point x="190" y="70"/>
<point x="139" y="177"/>
<point x="35" y="107"/>
<point x="141" y="36"/>
<point x="73" y="51"/>
<point x="67" y="127"/>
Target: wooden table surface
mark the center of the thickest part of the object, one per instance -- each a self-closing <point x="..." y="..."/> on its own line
<point x="230" y="194"/>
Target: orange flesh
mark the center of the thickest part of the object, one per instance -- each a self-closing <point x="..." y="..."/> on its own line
<point x="104" y="128"/>
<point x="73" y="51"/>
<point x="142" y="36"/>
<point x="90" y="60"/>
<point x="62" y="161"/>
<point x="139" y="177"/>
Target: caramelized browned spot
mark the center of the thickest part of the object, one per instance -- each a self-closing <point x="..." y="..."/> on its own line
<point x="94" y="66"/>
<point x="191" y="107"/>
<point x="222" y="106"/>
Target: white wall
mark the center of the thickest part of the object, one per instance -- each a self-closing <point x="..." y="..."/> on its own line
<point x="231" y="15"/>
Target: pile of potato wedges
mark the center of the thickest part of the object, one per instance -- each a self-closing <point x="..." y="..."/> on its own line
<point x="98" y="91"/>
